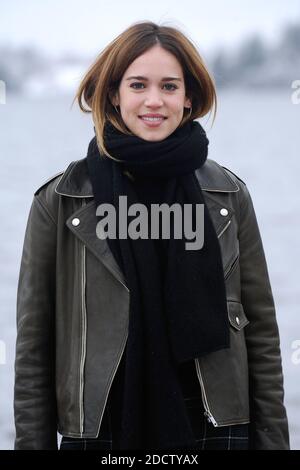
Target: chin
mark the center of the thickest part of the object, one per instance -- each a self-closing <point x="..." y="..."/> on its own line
<point x="153" y="134"/>
<point x="153" y="137"/>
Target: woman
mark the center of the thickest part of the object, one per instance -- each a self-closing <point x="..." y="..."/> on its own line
<point x="126" y="340"/>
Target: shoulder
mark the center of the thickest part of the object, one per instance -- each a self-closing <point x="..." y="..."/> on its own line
<point x="49" y="183"/>
<point x="46" y="197"/>
<point x="235" y="177"/>
<point x="214" y="165"/>
<point x="232" y="174"/>
<point x="48" y="187"/>
<point x="217" y="178"/>
<point x="46" y="194"/>
<point x="243" y="195"/>
<point x="228" y="173"/>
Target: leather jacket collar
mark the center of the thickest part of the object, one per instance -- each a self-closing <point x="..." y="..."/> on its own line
<point x="75" y="181"/>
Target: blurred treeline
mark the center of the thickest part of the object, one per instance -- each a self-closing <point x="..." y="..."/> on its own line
<point x="251" y="63"/>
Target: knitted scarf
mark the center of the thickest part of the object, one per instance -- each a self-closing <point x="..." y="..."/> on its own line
<point x="178" y="308"/>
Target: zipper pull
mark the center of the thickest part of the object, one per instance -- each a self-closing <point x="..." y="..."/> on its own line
<point x="210" y="418"/>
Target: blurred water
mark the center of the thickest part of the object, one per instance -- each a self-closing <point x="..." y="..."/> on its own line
<point x="256" y="135"/>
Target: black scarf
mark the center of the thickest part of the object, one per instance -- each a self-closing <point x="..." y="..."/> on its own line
<point x="178" y="308"/>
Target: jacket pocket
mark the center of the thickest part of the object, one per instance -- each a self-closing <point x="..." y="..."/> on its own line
<point x="231" y="266"/>
<point x="224" y="374"/>
<point x="236" y="315"/>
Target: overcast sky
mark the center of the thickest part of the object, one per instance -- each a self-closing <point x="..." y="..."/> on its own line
<point x="86" y="26"/>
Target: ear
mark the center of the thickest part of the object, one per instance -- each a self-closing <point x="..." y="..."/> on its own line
<point x="115" y="99"/>
<point x="187" y="103"/>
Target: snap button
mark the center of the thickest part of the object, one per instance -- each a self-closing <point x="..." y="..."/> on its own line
<point x="75" y="222"/>
<point x="224" y="211"/>
<point x="237" y="320"/>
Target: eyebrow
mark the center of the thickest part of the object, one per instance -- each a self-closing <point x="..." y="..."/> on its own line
<point x="165" y="79"/>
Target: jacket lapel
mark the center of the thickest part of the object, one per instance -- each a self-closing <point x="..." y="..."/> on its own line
<point x="85" y="230"/>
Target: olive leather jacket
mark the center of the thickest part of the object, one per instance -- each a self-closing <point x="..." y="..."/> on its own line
<point x="73" y="311"/>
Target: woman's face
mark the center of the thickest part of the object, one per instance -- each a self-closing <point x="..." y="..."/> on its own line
<point x="152" y="94"/>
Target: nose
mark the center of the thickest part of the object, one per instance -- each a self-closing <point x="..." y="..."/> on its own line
<point x="153" y="98"/>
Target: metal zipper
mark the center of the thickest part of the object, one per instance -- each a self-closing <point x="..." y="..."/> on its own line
<point x="83" y="352"/>
<point x="83" y="335"/>
<point x="231" y="268"/>
<point x="83" y="339"/>
<point x="229" y="221"/>
<point x="207" y="413"/>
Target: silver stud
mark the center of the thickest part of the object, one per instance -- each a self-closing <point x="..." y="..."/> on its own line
<point x="75" y="222"/>
<point x="224" y="211"/>
<point x="237" y="320"/>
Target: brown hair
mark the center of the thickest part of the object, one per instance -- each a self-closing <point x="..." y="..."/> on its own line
<point x="102" y="79"/>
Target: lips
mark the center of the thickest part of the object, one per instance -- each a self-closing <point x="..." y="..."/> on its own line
<point x="152" y="121"/>
<point x="152" y="116"/>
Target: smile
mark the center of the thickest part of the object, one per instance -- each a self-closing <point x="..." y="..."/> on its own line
<point x="152" y="121"/>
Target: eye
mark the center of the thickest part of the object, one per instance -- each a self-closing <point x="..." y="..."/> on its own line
<point x="140" y="83"/>
<point x="136" y="83"/>
<point x="171" y="84"/>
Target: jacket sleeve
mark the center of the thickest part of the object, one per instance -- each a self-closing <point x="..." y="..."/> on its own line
<point x="268" y="419"/>
<point x="34" y="389"/>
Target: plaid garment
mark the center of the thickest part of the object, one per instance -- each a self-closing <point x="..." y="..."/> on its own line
<point x="207" y="436"/>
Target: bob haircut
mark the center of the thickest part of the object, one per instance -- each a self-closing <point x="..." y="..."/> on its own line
<point x="103" y="78"/>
